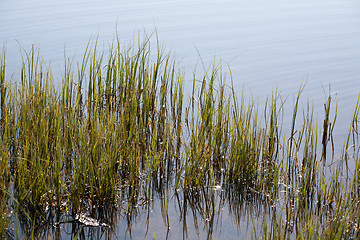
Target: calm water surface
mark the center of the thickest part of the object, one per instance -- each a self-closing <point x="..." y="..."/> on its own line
<point x="268" y="44"/>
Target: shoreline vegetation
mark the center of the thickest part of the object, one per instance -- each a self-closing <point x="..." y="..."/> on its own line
<point x="119" y="132"/>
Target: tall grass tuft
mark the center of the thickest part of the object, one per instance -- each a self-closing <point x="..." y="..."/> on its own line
<point x="117" y="131"/>
<point x="5" y="214"/>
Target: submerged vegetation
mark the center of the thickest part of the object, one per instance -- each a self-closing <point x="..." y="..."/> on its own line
<point x="120" y="131"/>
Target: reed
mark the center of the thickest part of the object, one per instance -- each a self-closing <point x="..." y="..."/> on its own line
<point x="5" y="213"/>
<point x="117" y="132"/>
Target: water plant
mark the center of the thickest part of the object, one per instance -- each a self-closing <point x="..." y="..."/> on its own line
<point x="118" y="132"/>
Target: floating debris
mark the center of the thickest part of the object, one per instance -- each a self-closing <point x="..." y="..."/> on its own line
<point x="88" y="221"/>
<point x="217" y="188"/>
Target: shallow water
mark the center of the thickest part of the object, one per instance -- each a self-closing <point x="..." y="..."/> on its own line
<point x="198" y="218"/>
<point x="268" y="44"/>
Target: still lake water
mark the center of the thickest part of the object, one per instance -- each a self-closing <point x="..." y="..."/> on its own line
<point x="268" y="44"/>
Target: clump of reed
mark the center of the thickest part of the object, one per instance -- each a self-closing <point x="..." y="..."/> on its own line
<point x="317" y="200"/>
<point x="117" y="132"/>
<point x="5" y="212"/>
<point x="108" y="128"/>
<point x="226" y="143"/>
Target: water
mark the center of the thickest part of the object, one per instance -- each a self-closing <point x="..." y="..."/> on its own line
<point x="268" y="44"/>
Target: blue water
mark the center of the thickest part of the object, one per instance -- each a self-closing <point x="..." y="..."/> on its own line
<point x="267" y="44"/>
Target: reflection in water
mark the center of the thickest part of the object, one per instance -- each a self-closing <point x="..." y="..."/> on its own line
<point x="200" y="213"/>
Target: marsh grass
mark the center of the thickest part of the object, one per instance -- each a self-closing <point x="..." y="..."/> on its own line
<point x="118" y="132"/>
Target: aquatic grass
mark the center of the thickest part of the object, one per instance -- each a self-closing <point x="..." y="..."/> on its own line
<point x="225" y="144"/>
<point x="118" y="132"/>
<point x="4" y="166"/>
<point x="54" y="140"/>
<point x="319" y="202"/>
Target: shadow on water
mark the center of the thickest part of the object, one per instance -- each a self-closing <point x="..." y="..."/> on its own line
<point x="201" y="214"/>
